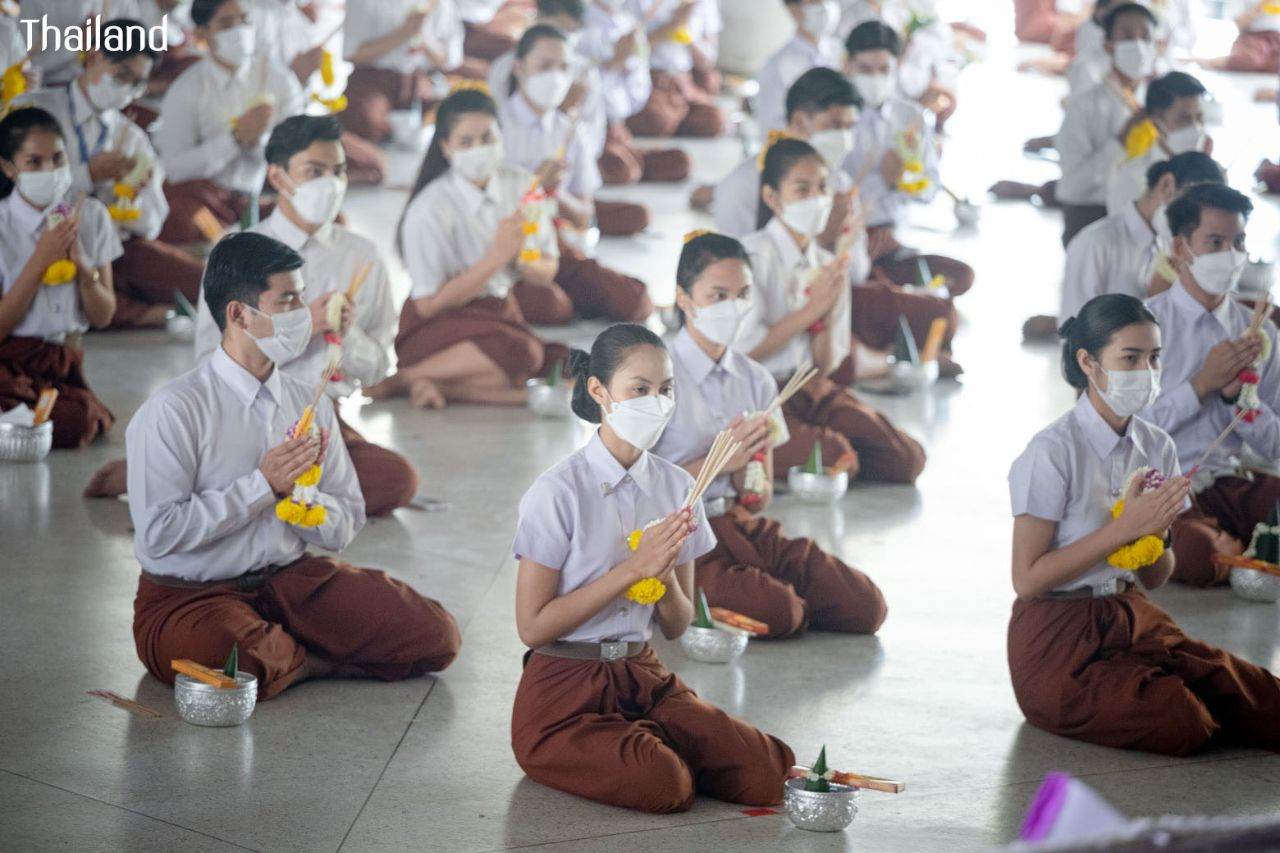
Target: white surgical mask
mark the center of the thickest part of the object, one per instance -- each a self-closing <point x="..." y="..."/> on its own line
<point x="1189" y="138"/>
<point x="1135" y="58"/>
<point x="235" y="46"/>
<point x="290" y="334"/>
<point x="1219" y="272"/>
<point x="640" y="421"/>
<point x="318" y="201"/>
<point x="820" y="19"/>
<point x="718" y="322"/>
<point x="546" y="91"/>
<point x="809" y="216"/>
<point x="44" y="188"/>
<point x="109" y="94"/>
<point x="875" y="89"/>
<point x="834" y="145"/>
<point x="1130" y="391"/>
<point x="477" y="164"/>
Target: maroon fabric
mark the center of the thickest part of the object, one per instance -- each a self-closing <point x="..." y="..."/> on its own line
<point x="1220" y="521"/>
<point x="387" y="480"/>
<point x="1077" y="217"/>
<point x="227" y="206"/>
<point x="146" y="275"/>
<point x="878" y="303"/>
<point x="29" y="365"/>
<point x="372" y="95"/>
<point x="496" y="326"/>
<point x="1256" y="52"/>
<point x="678" y="107"/>
<point x="590" y="290"/>
<point x="1039" y="22"/>
<point x="621" y="218"/>
<point x="902" y="266"/>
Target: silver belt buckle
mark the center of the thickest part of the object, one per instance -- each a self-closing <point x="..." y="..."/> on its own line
<point x="1108" y="587"/>
<point x="616" y="650"/>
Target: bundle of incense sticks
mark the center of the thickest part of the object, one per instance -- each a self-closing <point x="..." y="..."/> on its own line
<point x="44" y="405"/>
<point x="357" y="281"/>
<point x="208" y="224"/>
<point x="722" y="450"/>
<point x="561" y="151"/>
<point x="200" y="672"/>
<point x="933" y="343"/>
<point x="1261" y="309"/>
<point x="728" y="620"/>
<point x="797" y="381"/>
<point x="127" y="704"/>
<point x="855" y="780"/>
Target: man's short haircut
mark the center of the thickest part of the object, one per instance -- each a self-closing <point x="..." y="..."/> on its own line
<point x="1185" y="211"/>
<point x="238" y="269"/>
<point x="298" y="133"/>
<point x="820" y="89"/>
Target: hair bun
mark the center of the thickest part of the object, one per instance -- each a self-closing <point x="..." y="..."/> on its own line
<point x="579" y="363"/>
<point x="1068" y="325"/>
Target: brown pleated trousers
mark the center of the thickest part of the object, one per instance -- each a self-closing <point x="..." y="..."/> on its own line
<point x="624" y="163"/>
<point x="825" y="412"/>
<point x="374" y="93"/>
<point x="29" y="365"/>
<point x="1118" y="671"/>
<point x="147" y="274"/>
<point x="1220" y="521"/>
<point x="227" y="206"/>
<point x="789" y="584"/>
<point x="629" y="733"/>
<point x="877" y="304"/>
<point x="350" y="616"/>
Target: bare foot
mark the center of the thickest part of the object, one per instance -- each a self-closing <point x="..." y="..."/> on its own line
<point x="154" y="317"/>
<point x="394" y="385"/>
<point x="110" y="481"/>
<point x="425" y="394"/>
<point x="1040" y="328"/>
<point x="1265" y="95"/>
<point x="701" y="197"/>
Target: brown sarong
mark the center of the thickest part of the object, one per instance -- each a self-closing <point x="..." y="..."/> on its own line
<point x="227" y="206"/>
<point x="622" y="162"/>
<point x="786" y="583"/>
<point x="629" y="733"/>
<point x="585" y="288"/>
<point x="315" y="605"/>
<point x="29" y="365"/>
<point x="494" y="325"/>
<point x="678" y="107"/>
<point x="1118" y="671"/>
<point x="1255" y="52"/>
<point x="147" y="274"/>
<point x="374" y="93"/>
<point x="902" y="266"/>
<point x="621" y="218"/>
<point x="825" y="412"/>
<point x="877" y="304"/>
<point x="387" y="480"/>
<point x="1220" y="521"/>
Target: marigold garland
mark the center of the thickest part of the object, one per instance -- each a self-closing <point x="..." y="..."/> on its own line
<point x="1136" y="555"/>
<point x="301" y="509"/>
<point x="59" y="272"/>
<point x="647" y="590"/>
<point x="12" y="83"/>
<point x="1140" y="138"/>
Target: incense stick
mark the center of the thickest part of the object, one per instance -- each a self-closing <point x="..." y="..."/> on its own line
<point x="200" y="672"/>
<point x="44" y="405"/>
<point x="127" y="704"/>
<point x="933" y="343"/>
<point x="722" y="450"/>
<point x="855" y="780"/>
<point x="797" y="381"/>
<point x="1217" y="441"/>
<point x="357" y="281"/>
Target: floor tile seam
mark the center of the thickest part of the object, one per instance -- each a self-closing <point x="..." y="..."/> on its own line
<point x="725" y="819"/>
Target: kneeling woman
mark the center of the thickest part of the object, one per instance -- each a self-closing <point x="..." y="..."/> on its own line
<point x="596" y="713"/>
<point x="755" y="570"/>
<point x="801" y="318"/>
<point x="55" y="276"/>
<point x="1090" y="656"/>
<point x="463" y="236"/>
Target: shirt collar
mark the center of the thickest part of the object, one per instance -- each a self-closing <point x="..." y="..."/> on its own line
<point x="25" y="217"/>
<point x="82" y="111"/>
<point x="790" y="251"/>
<point x="474" y="197"/>
<point x="1137" y="227"/>
<point x="244" y="384"/>
<point x="282" y="228"/>
<point x="524" y="113"/>
<point x="609" y="473"/>
<point x="694" y="360"/>
<point x="1101" y="437"/>
<point x="1184" y="302"/>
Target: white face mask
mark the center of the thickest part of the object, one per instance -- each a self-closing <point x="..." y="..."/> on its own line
<point x="1219" y="272"/>
<point x="640" y="421"/>
<point x="546" y="91"/>
<point x="1130" y="391"/>
<point x="108" y="94"/>
<point x="319" y="200"/>
<point x="235" y="46"/>
<point x="820" y="19"/>
<point x="834" y="145"/>
<point x="290" y="334"/>
<point x="44" y="188"/>
<point x="809" y="216"/>
<point x="477" y="164"/>
<point x="875" y="89"/>
<point x="1189" y="138"/>
<point x="718" y="322"/>
<point x="1135" y="58"/>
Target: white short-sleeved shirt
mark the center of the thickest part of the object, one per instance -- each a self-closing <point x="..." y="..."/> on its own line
<point x="449" y="226"/>
<point x="781" y="273"/>
<point x="786" y="66"/>
<point x="1076" y="468"/>
<point x="1112" y="255"/>
<point x="576" y="518"/>
<point x="704" y="28"/>
<point x="194" y="136"/>
<point x="332" y="257"/>
<point x="875" y="135"/>
<point x="709" y="395"/>
<point x="593" y="123"/>
<point x="1087" y="143"/>
<point x="55" y="312"/>
<point x="201" y="508"/>
<point x="531" y="139"/>
<point x="443" y="32"/>
<point x="625" y="90"/>
<point x="1264" y="23"/>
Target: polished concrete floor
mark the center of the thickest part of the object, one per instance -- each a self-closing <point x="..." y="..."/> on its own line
<point x="427" y="764"/>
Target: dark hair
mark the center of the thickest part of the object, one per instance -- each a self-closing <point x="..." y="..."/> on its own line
<point x="14" y="130"/>
<point x="1163" y="91"/>
<point x="575" y="9"/>
<point x="779" y="160"/>
<point x="607" y="354"/>
<point x="202" y="11"/>
<point x="873" y="35"/>
<point x="1100" y="10"/>
<point x="298" y="133"/>
<point x="1187" y="168"/>
<point x="531" y="37"/>
<point x="1092" y="329"/>
<point x="460" y="103"/>
<point x="132" y="36"/>
<point x="238" y="269"/>
<point x="1109" y="22"/>
<point x="820" y="89"/>
<point x="1184" y="211"/>
<point x="703" y="251"/>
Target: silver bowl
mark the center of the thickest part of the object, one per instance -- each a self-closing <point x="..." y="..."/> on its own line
<point x="829" y="812"/>
<point x="205" y="705"/>
<point x="1257" y="278"/>
<point x="549" y="401"/>
<point x="1253" y="585"/>
<point x="908" y="377"/>
<point x="25" y="443"/>
<point x="712" y="645"/>
<point x="967" y="213"/>
<point x="180" y="327"/>
<point x="817" y="488"/>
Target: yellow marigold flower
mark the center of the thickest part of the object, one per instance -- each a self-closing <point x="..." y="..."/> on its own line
<point x="59" y="272"/>
<point x="290" y="511"/>
<point x="682" y="36"/>
<point x="327" y="75"/>
<point x="126" y="191"/>
<point x="529" y="227"/>
<point x="1140" y="139"/>
<point x="913" y="166"/>
<point x="1137" y="555"/>
<point x="647" y="591"/>
<point x="123" y="213"/>
<point x="309" y="477"/>
<point x="314" y="516"/>
<point x="913" y="187"/>
<point x="633" y="539"/>
<point x="1271" y="8"/>
<point x="13" y="83"/>
<point x="528" y="256"/>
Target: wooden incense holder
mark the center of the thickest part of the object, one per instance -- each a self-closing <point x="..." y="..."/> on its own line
<point x="855" y="780"/>
<point x="723" y="618"/>
<point x="200" y="672"/>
